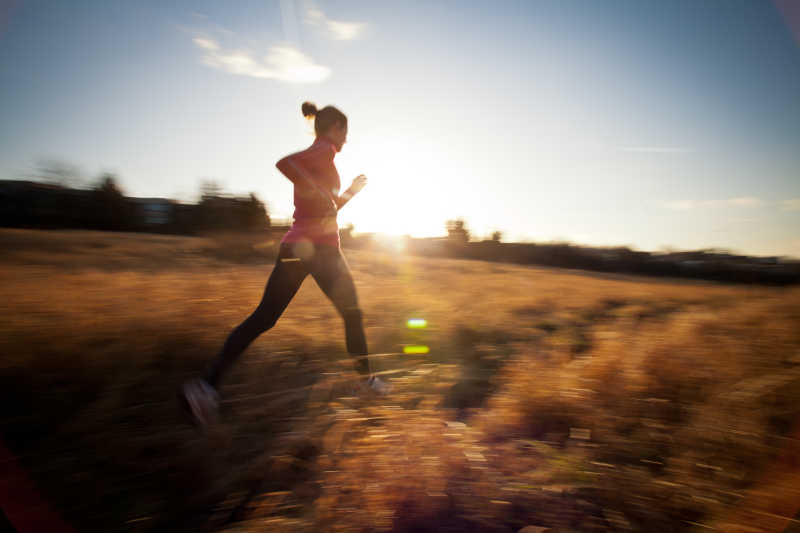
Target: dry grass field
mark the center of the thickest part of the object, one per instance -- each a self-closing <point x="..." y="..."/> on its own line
<point x="564" y="400"/>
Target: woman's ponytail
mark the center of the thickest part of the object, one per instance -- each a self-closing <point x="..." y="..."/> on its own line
<point x="309" y="110"/>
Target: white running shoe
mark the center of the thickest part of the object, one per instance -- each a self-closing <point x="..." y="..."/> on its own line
<point x="202" y="402"/>
<point x="378" y="386"/>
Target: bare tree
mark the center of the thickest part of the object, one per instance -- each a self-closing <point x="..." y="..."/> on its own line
<point x="457" y="231"/>
<point x="210" y="188"/>
<point x="108" y="186"/>
<point x="111" y="210"/>
<point x="58" y="172"/>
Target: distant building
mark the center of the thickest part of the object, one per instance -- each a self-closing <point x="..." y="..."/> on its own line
<point x="153" y="211"/>
<point x="42" y="205"/>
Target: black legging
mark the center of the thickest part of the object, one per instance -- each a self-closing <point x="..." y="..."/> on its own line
<point x="327" y="266"/>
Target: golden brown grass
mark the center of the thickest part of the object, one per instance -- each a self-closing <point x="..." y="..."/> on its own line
<point x="570" y="400"/>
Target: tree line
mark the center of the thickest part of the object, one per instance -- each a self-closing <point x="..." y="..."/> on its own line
<point x="57" y="203"/>
<point x="104" y="206"/>
<point x="711" y="264"/>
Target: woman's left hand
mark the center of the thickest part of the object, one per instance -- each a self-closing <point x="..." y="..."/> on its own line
<point x="358" y="183"/>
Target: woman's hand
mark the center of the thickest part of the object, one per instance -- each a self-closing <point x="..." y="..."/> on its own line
<point x="358" y="183"/>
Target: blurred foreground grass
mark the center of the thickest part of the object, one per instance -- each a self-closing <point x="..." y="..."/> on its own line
<point x="549" y="398"/>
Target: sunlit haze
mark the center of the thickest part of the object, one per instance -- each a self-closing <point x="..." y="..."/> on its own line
<point x="642" y="123"/>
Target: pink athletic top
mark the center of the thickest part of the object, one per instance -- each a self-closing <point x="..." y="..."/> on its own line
<point x="316" y="194"/>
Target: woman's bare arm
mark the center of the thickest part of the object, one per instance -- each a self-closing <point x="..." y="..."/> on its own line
<point x="299" y="177"/>
<point x="358" y="183"/>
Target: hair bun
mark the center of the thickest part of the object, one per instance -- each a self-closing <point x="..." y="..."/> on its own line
<point x="309" y="109"/>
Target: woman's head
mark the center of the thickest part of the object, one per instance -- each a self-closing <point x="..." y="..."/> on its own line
<point x="328" y="122"/>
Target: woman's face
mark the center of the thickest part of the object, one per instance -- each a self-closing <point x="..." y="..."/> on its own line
<point x="338" y="134"/>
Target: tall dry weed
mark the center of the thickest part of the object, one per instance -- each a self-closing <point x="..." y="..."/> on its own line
<point x="548" y="398"/>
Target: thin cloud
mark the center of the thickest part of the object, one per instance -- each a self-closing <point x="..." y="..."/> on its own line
<point x="282" y="63"/>
<point x="345" y="31"/>
<point x="338" y="29"/>
<point x="206" y="44"/>
<point x="745" y="201"/>
<point x="792" y="204"/>
<point x="741" y="201"/>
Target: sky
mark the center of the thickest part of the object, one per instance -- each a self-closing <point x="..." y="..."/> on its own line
<point x="643" y="123"/>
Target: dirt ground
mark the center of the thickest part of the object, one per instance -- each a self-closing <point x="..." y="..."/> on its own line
<point x="549" y="398"/>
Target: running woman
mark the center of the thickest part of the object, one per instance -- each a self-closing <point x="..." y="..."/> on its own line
<point x="311" y="246"/>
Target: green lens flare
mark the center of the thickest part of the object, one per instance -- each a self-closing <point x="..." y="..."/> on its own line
<point x="416" y="349"/>
<point x="417" y="323"/>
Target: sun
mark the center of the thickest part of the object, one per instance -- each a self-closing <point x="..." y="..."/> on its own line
<point x="404" y="194"/>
